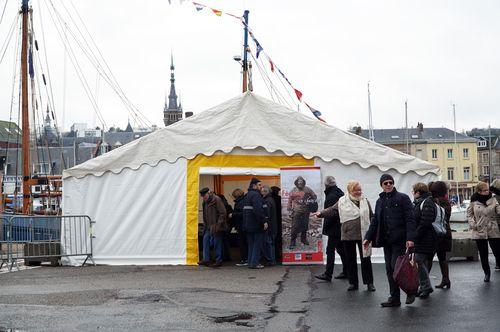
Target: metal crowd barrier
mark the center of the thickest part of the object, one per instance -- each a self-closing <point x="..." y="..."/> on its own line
<point x="37" y="239"/>
<point x="4" y="257"/>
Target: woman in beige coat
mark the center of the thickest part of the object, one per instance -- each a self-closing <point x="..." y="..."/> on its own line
<point x="354" y="212"/>
<point x="482" y="214"/>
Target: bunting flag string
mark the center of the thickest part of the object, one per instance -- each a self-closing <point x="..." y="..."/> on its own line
<point x="259" y="49"/>
<point x="200" y="7"/>
<point x="297" y="92"/>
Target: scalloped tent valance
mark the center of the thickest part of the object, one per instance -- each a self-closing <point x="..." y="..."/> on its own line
<point x="249" y="121"/>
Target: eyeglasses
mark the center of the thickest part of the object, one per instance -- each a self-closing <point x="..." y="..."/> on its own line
<point x="387" y="183"/>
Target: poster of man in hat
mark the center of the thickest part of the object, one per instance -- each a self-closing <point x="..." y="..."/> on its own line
<point x="302" y="239"/>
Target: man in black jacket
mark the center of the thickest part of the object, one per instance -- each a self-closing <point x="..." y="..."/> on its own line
<point x="331" y="228"/>
<point x="393" y="228"/>
<point x="254" y="222"/>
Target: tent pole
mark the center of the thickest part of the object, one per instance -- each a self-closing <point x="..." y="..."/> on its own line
<point x="245" y="51"/>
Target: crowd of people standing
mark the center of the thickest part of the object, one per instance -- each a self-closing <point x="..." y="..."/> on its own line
<point x="397" y="224"/>
<point x="255" y="218"/>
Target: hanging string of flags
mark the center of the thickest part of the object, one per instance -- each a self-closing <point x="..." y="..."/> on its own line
<point x="259" y="49"/>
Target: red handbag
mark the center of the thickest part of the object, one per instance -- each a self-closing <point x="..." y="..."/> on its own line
<point x="406" y="273"/>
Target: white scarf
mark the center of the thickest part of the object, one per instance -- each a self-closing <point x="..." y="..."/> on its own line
<point x="350" y="211"/>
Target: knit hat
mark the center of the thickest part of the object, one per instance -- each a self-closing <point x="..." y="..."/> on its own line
<point x="254" y="181"/>
<point x="386" y="177"/>
<point x="495" y="187"/>
<point x="204" y="191"/>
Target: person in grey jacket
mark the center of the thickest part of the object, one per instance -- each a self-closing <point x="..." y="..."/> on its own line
<point x="482" y="215"/>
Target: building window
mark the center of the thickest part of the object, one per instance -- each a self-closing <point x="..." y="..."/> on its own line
<point x="466" y="173"/>
<point x="434" y="154"/>
<point x="485" y="157"/>
<point x="450" y="153"/>
<point x="450" y="173"/>
<point x="466" y="152"/>
<point x="481" y="144"/>
<point x="486" y="170"/>
<point x="41" y="168"/>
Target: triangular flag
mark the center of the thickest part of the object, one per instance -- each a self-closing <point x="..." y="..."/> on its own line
<point x="272" y="65"/>
<point x="315" y="112"/>
<point x="259" y="48"/>
<point x="217" y="12"/>
<point x="198" y="6"/>
<point x="298" y="94"/>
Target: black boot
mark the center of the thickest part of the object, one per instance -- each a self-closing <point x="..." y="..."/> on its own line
<point x="445" y="272"/>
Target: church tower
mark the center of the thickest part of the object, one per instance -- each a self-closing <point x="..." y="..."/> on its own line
<point x="172" y="111"/>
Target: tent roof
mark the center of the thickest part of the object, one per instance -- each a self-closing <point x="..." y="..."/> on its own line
<point x="249" y="121"/>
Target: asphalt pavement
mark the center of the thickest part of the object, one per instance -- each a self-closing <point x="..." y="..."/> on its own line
<point x="280" y="298"/>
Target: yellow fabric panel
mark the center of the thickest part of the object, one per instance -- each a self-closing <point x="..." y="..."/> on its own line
<point x="193" y="178"/>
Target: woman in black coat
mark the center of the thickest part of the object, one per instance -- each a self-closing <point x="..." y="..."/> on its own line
<point x="237" y="221"/>
<point x="439" y="192"/>
<point x="424" y="214"/>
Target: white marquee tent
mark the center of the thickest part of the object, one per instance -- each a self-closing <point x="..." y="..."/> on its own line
<point x="144" y="195"/>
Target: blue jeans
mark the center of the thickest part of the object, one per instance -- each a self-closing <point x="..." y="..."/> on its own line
<point x="212" y="241"/>
<point x="254" y="248"/>
<point x="269" y="247"/>
<point x="423" y="273"/>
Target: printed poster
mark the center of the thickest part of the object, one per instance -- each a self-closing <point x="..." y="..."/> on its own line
<point x="301" y="193"/>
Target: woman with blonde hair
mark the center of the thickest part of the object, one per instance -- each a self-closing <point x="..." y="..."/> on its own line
<point x="482" y="215"/>
<point x="355" y="213"/>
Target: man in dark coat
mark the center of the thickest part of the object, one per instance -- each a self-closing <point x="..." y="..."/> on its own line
<point x="254" y="222"/>
<point x="393" y="228"/>
<point x="214" y="221"/>
<point x="424" y="214"/>
<point x="237" y="222"/>
<point x="331" y="228"/>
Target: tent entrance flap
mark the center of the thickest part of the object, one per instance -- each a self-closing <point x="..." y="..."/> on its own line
<point x="224" y="162"/>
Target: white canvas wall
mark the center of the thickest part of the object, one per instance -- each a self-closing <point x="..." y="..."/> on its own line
<point x="140" y="214"/>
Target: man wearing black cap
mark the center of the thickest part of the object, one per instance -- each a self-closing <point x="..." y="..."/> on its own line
<point x="214" y="220"/>
<point x="393" y="228"/>
<point x="254" y="222"/>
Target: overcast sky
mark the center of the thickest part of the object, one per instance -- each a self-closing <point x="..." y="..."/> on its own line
<point x="430" y="52"/>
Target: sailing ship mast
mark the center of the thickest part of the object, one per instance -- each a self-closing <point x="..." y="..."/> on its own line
<point x="370" y="121"/>
<point x="456" y="151"/>
<point x="24" y="109"/>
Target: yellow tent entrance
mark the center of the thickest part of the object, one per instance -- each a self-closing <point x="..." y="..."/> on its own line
<point x="193" y="180"/>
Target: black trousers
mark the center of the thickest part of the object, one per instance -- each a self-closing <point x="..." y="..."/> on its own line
<point x="331" y="245"/>
<point x="243" y="244"/>
<point x="482" y="246"/>
<point x="391" y="254"/>
<point x="352" y="265"/>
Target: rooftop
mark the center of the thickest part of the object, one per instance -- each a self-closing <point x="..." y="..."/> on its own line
<point x="426" y="135"/>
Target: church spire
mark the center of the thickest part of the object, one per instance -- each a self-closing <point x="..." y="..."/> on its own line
<point x="172" y="111"/>
<point x="172" y="97"/>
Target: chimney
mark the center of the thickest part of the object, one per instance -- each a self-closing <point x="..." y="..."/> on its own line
<point x="357" y="130"/>
<point x="420" y="127"/>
